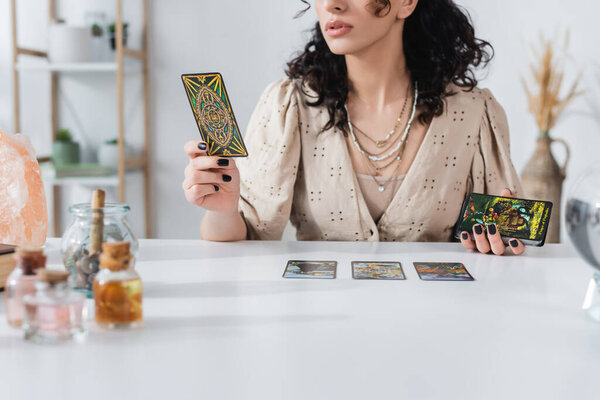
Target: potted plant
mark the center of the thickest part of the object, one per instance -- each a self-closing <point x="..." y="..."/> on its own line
<point x="64" y="149"/>
<point x="112" y="29"/>
<point x="108" y="153"/>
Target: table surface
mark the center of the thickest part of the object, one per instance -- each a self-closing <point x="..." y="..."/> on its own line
<point x="220" y="322"/>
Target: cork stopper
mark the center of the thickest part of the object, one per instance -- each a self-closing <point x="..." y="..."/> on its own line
<point x="97" y="228"/>
<point x="98" y="197"/>
<point x="52" y="277"/>
<point x="29" y="259"/>
<point x="116" y="256"/>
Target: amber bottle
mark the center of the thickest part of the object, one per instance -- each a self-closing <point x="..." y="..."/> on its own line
<point x="117" y="288"/>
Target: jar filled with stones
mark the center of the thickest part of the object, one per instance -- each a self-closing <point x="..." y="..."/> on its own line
<point x="81" y="245"/>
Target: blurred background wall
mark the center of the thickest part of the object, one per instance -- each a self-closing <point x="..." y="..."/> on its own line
<point x="249" y="42"/>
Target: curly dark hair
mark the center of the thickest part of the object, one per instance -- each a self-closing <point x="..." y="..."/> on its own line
<point x="440" y="48"/>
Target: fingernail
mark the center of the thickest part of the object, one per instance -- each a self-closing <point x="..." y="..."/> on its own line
<point x="202" y="146"/>
<point x="465" y="235"/>
<point x="513" y="243"/>
<point x="510" y="191"/>
<point x="226" y="178"/>
<point x="478" y="229"/>
<point x="216" y="188"/>
<point x="491" y="229"/>
<point x="222" y="162"/>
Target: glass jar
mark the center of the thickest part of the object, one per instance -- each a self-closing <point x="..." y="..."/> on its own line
<point x="21" y="282"/>
<point x="75" y="243"/>
<point x="55" y="313"/>
<point x="117" y="289"/>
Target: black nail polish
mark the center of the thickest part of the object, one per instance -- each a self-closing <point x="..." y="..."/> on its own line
<point x="465" y="235"/>
<point x="222" y="162"/>
<point x="513" y="243"/>
<point x="491" y="229"/>
<point x="478" y="229"/>
<point x="216" y="188"/>
<point x="202" y="146"/>
<point x="226" y="178"/>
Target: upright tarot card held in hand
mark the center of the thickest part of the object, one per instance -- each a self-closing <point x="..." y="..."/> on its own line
<point x="214" y="116"/>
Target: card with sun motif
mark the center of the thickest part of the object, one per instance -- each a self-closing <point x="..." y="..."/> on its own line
<point x="213" y="113"/>
<point x="377" y="270"/>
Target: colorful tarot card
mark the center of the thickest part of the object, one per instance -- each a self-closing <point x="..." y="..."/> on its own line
<point x="515" y="218"/>
<point x="429" y="271"/>
<point x="310" y="269"/>
<point x="377" y="270"/>
<point x="214" y="116"/>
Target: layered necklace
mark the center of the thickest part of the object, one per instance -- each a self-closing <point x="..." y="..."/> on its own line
<point x="396" y="144"/>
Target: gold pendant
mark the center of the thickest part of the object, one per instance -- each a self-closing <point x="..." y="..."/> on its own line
<point x="381" y="143"/>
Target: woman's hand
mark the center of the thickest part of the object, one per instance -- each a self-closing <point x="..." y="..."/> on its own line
<point x="212" y="183"/>
<point x="492" y="240"/>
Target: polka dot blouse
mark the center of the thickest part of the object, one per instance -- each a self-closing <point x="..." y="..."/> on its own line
<point x="294" y="173"/>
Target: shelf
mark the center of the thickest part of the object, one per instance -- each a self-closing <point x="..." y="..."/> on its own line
<point x="101" y="176"/>
<point x="103" y="181"/>
<point x="110" y="180"/>
<point x="76" y="67"/>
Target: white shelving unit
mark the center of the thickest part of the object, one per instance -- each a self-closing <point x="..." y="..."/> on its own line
<point x="127" y="60"/>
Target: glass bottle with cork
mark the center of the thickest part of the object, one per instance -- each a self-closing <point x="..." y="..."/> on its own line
<point x="117" y="288"/>
<point x="21" y="282"/>
<point x="56" y="312"/>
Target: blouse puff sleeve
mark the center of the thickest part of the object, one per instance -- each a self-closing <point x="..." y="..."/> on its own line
<point x="492" y="170"/>
<point x="268" y="174"/>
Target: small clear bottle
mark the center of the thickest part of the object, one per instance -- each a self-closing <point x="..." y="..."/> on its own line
<point x="56" y="312"/>
<point x="21" y="282"/>
<point x="117" y="288"/>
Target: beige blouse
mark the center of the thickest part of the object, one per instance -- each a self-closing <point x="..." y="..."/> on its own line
<point x="377" y="201"/>
<point x="295" y="173"/>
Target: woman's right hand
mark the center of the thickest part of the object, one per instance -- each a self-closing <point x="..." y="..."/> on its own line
<point x="212" y="183"/>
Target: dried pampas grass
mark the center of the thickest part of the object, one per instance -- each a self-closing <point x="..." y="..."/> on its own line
<point x="545" y="102"/>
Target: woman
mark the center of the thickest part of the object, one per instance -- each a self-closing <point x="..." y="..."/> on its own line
<point x="378" y="133"/>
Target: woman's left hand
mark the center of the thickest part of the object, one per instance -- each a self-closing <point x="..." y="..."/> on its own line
<point x="484" y="242"/>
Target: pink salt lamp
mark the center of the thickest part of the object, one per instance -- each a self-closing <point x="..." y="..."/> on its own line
<point x="23" y="212"/>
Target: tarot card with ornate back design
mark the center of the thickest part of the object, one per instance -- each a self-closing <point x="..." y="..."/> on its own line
<point x="522" y="219"/>
<point x="214" y="115"/>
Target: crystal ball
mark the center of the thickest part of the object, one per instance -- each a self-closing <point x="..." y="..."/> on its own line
<point x="582" y="216"/>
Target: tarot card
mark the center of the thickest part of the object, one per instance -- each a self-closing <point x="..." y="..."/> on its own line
<point x="430" y="271"/>
<point x="522" y="219"/>
<point x="214" y="116"/>
<point x="310" y="269"/>
<point x="377" y="270"/>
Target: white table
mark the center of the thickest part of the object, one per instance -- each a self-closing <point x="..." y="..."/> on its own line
<point x="221" y="323"/>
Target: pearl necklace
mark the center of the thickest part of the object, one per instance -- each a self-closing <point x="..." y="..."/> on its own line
<point x="395" y="149"/>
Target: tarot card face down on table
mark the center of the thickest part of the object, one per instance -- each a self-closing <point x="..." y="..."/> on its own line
<point x="214" y="116"/>
<point x="310" y="269"/>
<point x="515" y="218"/>
<point x="377" y="270"/>
<point x="430" y="271"/>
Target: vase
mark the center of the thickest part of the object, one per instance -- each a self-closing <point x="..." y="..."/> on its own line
<point x="542" y="179"/>
<point x="69" y="44"/>
<point x="65" y="152"/>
